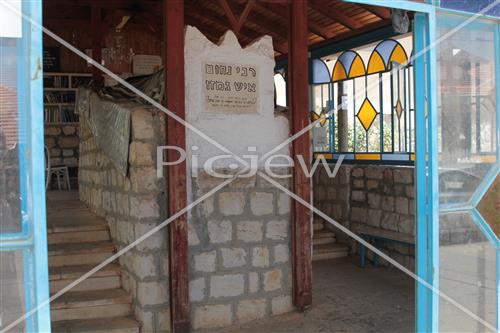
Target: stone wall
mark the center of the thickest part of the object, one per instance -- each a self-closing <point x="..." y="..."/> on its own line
<point x="133" y="205"/>
<point x="63" y="144"/>
<point x="239" y="250"/>
<point x="381" y="197"/>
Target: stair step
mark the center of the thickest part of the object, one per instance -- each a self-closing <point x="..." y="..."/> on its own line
<point x="330" y="251"/>
<point x="91" y="304"/>
<point x="100" y="325"/>
<point x="69" y="254"/>
<point x="106" y="278"/>
<point x="78" y="236"/>
<point x="324" y="240"/>
<point x="318" y="225"/>
<point x="81" y="221"/>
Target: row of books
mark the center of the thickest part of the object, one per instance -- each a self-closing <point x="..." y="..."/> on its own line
<point x="56" y="115"/>
<point x="59" y="96"/>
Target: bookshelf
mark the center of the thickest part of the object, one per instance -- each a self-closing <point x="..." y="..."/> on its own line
<point x="59" y="96"/>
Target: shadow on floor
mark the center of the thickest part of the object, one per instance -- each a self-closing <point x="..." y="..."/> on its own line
<point x="347" y="298"/>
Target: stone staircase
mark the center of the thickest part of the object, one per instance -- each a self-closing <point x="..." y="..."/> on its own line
<point x="325" y="244"/>
<point x="78" y="241"/>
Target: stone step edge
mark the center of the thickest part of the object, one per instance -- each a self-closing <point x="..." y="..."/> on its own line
<point x="71" y="300"/>
<point x="112" y="324"/>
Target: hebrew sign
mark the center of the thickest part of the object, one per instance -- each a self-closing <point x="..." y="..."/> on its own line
<point x="231" y="88"/>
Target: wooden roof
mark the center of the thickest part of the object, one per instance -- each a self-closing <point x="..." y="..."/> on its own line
<point x="329" y="20"/>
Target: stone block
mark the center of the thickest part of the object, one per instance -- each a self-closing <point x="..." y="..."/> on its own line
<point x="233" y="257"/>
<point x="249" y="231"/>
<point x="52" y="131"/>
<point x="284" y="203"/>
<point x="144" y="266"/>
<point x="401" y="205"/>
<point x="146" y="318"/>
<point x="358" y="172"/>
<point x="70" y="161"/>
<point x="260" y="256"/>
<point x="374" y="172"/>
<point x="281" y="253"/>
<point x="205" y="262"/>
<point x="69" y="130"/>
<point x="374" y="217"/>
<point x="403" y="176"/>
<point x="281" y="304"/>
<point x="231" y="203"/>
<point x="143" y="179"/>
<point x="358" y="214"/>
<point x="390" y="221"/>
<point x="211" y="316"/>
<point x="410" y="191"/>
<point x="261" y="203"/>
<point x="219" y="231"/>
<point x="141" y="153"/>
<point x="49" y="142"/>
<point x="68" y="152"/>
<point x="144" y="207"/>
<point x="372" y="184"/>
<point x="388" y="203"/>
<point x="374" y="200"/>
<point x="158" y="240"/>
<point x="272" y="279"/>
<point x="253" y="282"/>
<point x="142" y="124"/>
<point x="251" y="309"/>
<point x="193" y="238"/>
<point x="406" y="225"/>
<point x="163" y="320"/>
<point x="229" y="285"/>
<point x="358" y="183"/>
<point x="277" y="230"/>
<point x="152" y="293"/>
<point x="197" y="290"/>
<point x="358" y="196"/>
<point x="68" y="142"/>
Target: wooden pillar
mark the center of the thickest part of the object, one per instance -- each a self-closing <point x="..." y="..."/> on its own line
<point x="96" y="28"/>
<point x="299" y="118"/>
<point x="176" y="180"/>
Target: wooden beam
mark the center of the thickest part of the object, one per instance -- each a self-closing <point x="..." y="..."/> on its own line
<point x="96" y="31"/>
<point x="328" y="9"/>
<point x="299" y="114"/>
<point x="176" y="183"/>
<point x="278" y="9"/>
<point x="383" y="13"/>
<point x="233" y="21"/>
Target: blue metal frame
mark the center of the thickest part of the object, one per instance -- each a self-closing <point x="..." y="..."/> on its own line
<point x="32" y="238"/>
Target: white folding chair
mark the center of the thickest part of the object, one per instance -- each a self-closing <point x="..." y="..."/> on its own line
<point x="57" y="170"/>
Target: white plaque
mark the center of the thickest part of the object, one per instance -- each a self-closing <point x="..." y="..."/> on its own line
<point x="11" y="23"/>
<point x="231" y="88"/>
<point x="143" y="64"/>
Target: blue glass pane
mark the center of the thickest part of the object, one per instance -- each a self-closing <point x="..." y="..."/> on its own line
<point x="474" y="6"/>
<point x="320" y="73"/>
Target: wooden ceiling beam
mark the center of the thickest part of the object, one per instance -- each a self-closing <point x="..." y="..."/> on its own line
<point x="281" y="11"/>
<point x="328" y="9"/>
<point x="381" y="12"/>
<point x="273" y="28"/>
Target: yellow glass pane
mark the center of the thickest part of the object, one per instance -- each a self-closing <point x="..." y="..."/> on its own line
<point x="375" y="64"/>
<point x="399" y="55"/>
<point x="339" y="72"/>
<point x="399" y="109"/>
<point x="357" y="68"/>
<point x="367" y="114"/>
<point x="368" y="157"/>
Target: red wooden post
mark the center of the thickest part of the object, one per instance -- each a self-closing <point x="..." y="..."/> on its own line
<point x="96" y="19"/>
<point x="299" y="118"/>
<point x="177" y="192"/>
